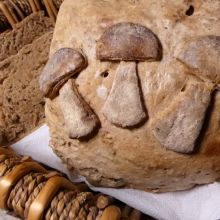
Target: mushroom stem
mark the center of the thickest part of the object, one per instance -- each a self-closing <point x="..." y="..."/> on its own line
<point x="123" y="106"/>
<point x="80" y="120"/>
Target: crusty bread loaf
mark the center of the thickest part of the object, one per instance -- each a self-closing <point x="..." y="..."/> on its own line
<point x="146" y="125"/>
<point x="23" y="53"/>
<point x="24" y="33"/>
<point x="22" y="103"/>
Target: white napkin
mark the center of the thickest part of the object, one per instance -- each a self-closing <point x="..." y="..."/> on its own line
<point x="200" y="203"/>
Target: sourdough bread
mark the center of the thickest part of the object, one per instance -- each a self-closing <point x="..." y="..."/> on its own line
<point x="23" y="54"/>
<point x="25" y="32"/>
<point x="173" y="49"/>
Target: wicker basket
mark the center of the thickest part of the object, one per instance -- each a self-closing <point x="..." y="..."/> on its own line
<point x="31" y="192"/>
<point x="13" y="11"/>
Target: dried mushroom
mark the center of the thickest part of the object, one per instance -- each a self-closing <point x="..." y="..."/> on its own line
<point x="79" y="118"/>
<point x="64" y="64"/>
<point x="128" y="43"/>
<point x="178" y="127"/>
<point x="203" y="55"/>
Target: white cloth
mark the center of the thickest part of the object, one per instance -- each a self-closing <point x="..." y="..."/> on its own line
<point x="200" y="203"/>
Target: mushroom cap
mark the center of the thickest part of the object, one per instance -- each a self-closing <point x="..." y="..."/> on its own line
<point x="203" y="55"/>
<point x="64" y="64"/>
<point x="129" y="42"/>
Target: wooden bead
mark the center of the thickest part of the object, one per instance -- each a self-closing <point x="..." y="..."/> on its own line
<point x="103" y="201"/>
<point x="111" y="213"/>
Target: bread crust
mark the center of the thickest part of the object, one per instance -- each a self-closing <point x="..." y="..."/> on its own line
<point x="135" y="157"/>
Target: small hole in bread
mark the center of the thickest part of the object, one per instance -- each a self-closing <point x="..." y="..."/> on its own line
<point x="183" y="88"/>
<point x="190" y="10"/>
<point x="104" y="74"/>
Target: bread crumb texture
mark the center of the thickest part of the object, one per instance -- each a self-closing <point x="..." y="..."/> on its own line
<point x="23" y="53"/>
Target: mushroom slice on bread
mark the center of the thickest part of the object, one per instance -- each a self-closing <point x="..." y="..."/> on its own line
<point x="80" y="120"/>
<point x="127" y="43"/>
<point x="178" y="127"/>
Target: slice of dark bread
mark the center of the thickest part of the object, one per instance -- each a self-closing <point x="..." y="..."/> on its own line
<point x="24" y="33"/>
<point x="21" y="102"/>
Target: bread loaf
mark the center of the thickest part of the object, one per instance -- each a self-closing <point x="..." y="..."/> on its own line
<point x="24" y="33"/>
<point x="21" y="102"/>
<point x="152" y="81"/>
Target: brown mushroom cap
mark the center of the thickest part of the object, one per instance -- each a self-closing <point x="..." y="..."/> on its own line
<point x="129" y="42"/>
<point x="65" y="63"/>
<point x="203" y="55"/>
